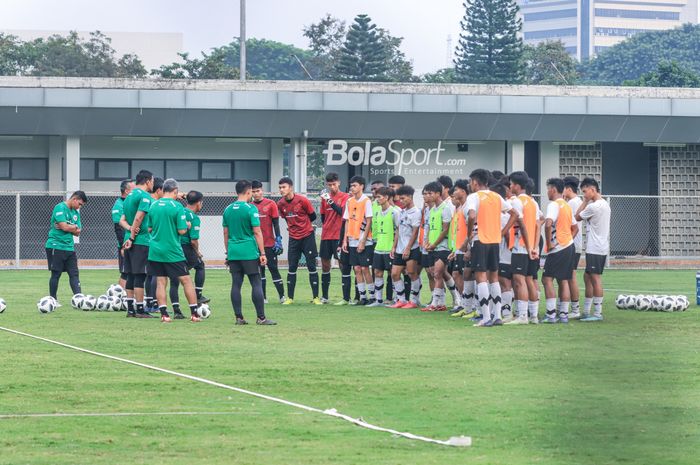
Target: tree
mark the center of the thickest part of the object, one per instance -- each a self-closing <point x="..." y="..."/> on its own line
<point x="489" y="49"/>
<point x="363" y="55"/>
<point x="441" y="76"/>
<point x="667" y="74"/>
<point x="548" y="63"/>
<point x="325" y="41"/>
<point x="642" y="53"/>
<point x="266" y="59"/>
<point x="399" y="69"/>
<point x="11" y="56"/>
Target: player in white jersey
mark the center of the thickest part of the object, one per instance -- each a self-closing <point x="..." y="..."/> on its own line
<point x="595" y="211"/>
<point x="505" y="274"/>
<point x="450" y="284"/>
<point x="425" y="263"/>
<point x="406" y="252"/>
<point x="574" y="201"/>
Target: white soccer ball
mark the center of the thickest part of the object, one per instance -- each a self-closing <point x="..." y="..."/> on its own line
<point x="89" y="303"/>
<point x="124" y="306"/>
<point x="677" y="303"/>
<point x="104" y="303"/>
<point x="46" y="304"/>
<point x="631" y="301"/>
<point x="115" y="303"/>
<point x="115" y="290"/>
<point x="644" y="303"/>
<point x="667" y="303"/>
<point x="77" y="300"/>
<point x="621" y="302"/>
<point x="3" y="305"/>
<point x="683" y="302"/>
<point x="203" y="311"/>
<point x="657" y="303"/>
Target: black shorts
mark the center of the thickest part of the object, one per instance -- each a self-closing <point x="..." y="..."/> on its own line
<point x="439" y="255"/>
<point x="172" y="270"/>
<point x="271" y="258"/>
<point x="136" y="259"/>
<point x="62" y="260"/>
<point x="456" y="265"/>
<point x="329" y="249"/>
<point x="191" y="257"/>
<point x="247" y="267"/>
<point x="504" y="270"/>
<point x="520" y="264"/>
<point x="426" y="260"/>
<point x="577" y="258"/>
<point x="381" y="261"/>
<point x="306" y="246"/>
<point x="558" y="265"/>
<point x="414" y="255"/>
<point x="485" y="257"/>
<point x="595" y="264"/>
<point x="363" y="259"/>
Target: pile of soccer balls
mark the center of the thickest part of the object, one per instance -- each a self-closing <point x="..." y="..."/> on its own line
<point x="652" y="303"/>
<point x="111" y="301"/>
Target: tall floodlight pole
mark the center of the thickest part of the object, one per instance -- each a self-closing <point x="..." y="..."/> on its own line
<point x="242" y="39"/>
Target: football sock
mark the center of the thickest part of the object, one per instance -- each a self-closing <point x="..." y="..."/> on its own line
<point x="398" y="287"/>
<point x="346" y="280"/>
<point x="575" y="307"/>
<point x="361" y="291"/>
<point x="291" y="283"/>
<point x="482" y="292"/>
<point x="389" y="288"/>
<point x="313" y="280"/>
<point x="469" y="289"/>
<point x="506" y="305"/>
<point x="597" y="306"/>
<point x="551" y="308"/>
<point x="176" y="308"/>
<point x="407" y="286"/>
<point x="564" y="308"/>
<point x="325" y="283"/>
<point x="415" y="290"/>
<point x="495" y="294"/>
<point x="378" y="287"/>
<point x="533" y="308"/>
<point x="129" y="305"/>
<point x="193" y="309"/>
<point x="522" y="308"/>
<point x="139" y="307"/>
<point x="163" y="310"/>
<point x="370" y="290"/>
<point x="587" y="304"/>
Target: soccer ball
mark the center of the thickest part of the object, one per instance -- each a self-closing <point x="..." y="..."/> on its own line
<point x="677" y="303"/>
<point x="124" y="306"/>
<point x="3" y="305"/>
<point x="667" y="303"/>
<point x="643" y="303"/>
<point x="77" y="300"/>
<point x="115" y="290"/>
<point x="89" y="303"/>
<point x="203" y="311"/>
<point x="116" y="303"/>
<point x="630" y="301"/>
<point x="683" y="302"/>
<point x="620" y="302"/>
<point x="46" y="304"/>
<point x="657" y="302"/>
<point x="104" y="303"/>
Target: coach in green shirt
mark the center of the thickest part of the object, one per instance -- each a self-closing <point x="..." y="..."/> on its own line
<point x="60" y="246"/>
<point x="117" y="212"/>
<point x="245" y="252"/>
<point x="166" y="259"/>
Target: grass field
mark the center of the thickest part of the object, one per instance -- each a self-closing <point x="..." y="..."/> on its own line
<point x="622" y="391"/>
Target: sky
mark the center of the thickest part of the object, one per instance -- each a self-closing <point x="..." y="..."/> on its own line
<point x="424" y="25"/>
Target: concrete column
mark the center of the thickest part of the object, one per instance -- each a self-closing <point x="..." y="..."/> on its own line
<point x="515" y="158"/>
<point x="57" y="154"/>
<point x="72" y="163"/>
<point x="549" y="167"/>
<point x="276" y="162"/>
<point x="302" y="164"/>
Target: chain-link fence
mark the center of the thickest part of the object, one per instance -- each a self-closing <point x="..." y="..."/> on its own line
<point x="646" y="231"/>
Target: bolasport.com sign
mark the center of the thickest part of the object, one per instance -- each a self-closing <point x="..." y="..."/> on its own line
<point x="393" y="158"/>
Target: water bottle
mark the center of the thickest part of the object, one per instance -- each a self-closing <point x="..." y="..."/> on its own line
<point x="697" y="288"/>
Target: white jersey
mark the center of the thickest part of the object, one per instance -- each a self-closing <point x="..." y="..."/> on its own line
<point x="408" y="219"/>
<point x="597" y="216"/>
<point x="425" y="212"/>
<point x="503" y="249"/>
<point x="352" y="242"/>
<point x="574" y="203"/>
<point x="553" y="214"/>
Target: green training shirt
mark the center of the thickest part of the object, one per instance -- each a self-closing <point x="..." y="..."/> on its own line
<point x="240" y="218"/>
<point x="384" y="224"/>
<point x="193" y="232"/>
<point x="117" y="210"/>
<point x="138" y="200"/>
<point x="166" y="217"/>
<point x="58" y="239"/>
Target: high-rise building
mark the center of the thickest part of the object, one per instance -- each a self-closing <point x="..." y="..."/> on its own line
<point x="587" y="27"/>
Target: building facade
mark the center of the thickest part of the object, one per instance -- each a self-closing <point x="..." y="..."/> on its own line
<point x="587" y="27"/>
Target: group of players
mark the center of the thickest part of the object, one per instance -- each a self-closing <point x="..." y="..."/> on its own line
<point x="480" y="239"/>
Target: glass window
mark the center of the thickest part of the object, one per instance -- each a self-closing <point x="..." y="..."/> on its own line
<point x="251" y="170"/>
<point x="30" y="169"/>
<point x="182" y="170"/>
<point x="569" y="13"/>
<point x="87" y="169"/>
<point x="112" y="169"/>
<point x="565" y="32"/>
<point x="157" y="167"/>
<point x="637" y="14"/>
<point x="4" y="169"/>
<point x="214" y="171"/>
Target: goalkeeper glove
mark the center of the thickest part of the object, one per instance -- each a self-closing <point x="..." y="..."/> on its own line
<point x="277" y="248"/>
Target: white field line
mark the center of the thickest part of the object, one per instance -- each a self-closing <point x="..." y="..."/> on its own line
<point x="118" y="414"/>
<point x="453" y="441"/>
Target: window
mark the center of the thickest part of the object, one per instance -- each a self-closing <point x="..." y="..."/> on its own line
<point x="542" y="15"/>
<point x="618" y="31"/>
<point x="157" y="167"/>
<point x="637" y="14"/>
<point x="30" y="169"/>
<point x="251" y="169"/>
<point x="5" y="169"/>
<point x="216" y="171"/>
<point x="182" y="170"/>
<point x="87" y="170"/>
<point x="112" y="169"/>
<point x="566" y="32"/>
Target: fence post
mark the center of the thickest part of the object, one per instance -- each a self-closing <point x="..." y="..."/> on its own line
<point x="607" y="260"/>
<point x="17" y="234"/>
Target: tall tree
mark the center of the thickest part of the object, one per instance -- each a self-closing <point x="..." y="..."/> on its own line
<point x="489" y="49"/>
<point x="667" y="74"/>
<point x="363" y="54"/>
<point x="11" y="55"/>
<point x="326" y="38"/>
<point x="548" y="63"/>
<point x="441" y="76"/>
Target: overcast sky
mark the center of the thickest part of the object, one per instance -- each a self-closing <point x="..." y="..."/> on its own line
<point x="424" y="25"/>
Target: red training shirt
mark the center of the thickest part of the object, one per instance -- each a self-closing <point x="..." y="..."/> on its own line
<point x="296" y="212"/>
<point x="267" y="210"/>
<point x="331" y="220"/>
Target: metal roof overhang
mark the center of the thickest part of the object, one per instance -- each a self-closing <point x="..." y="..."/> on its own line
<point x="93" y="107"/>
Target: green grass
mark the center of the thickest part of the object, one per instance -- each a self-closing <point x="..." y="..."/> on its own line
<point x="624" y="391"/>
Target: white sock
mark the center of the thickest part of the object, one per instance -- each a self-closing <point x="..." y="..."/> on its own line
<point x="507" y="303"/>
<point x="522" y="308"/>
<point x="551" y="307"/>
<point x="598" y="306"/>
<point x="399" y="290"/>
<point x="469" y="290"/>
<point x="587" y="304"/>
<point x="575" y="307"/>
<point x="378" y="287"/>
<point x="564" y="308"/>
<point x="482" y="292"/>
<point x="370" y="290"/>
<point x="415" y="290"/>
<point x="361" y="289"/>
<point x="495" y="291"/>
<point x="533" y="308"/>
